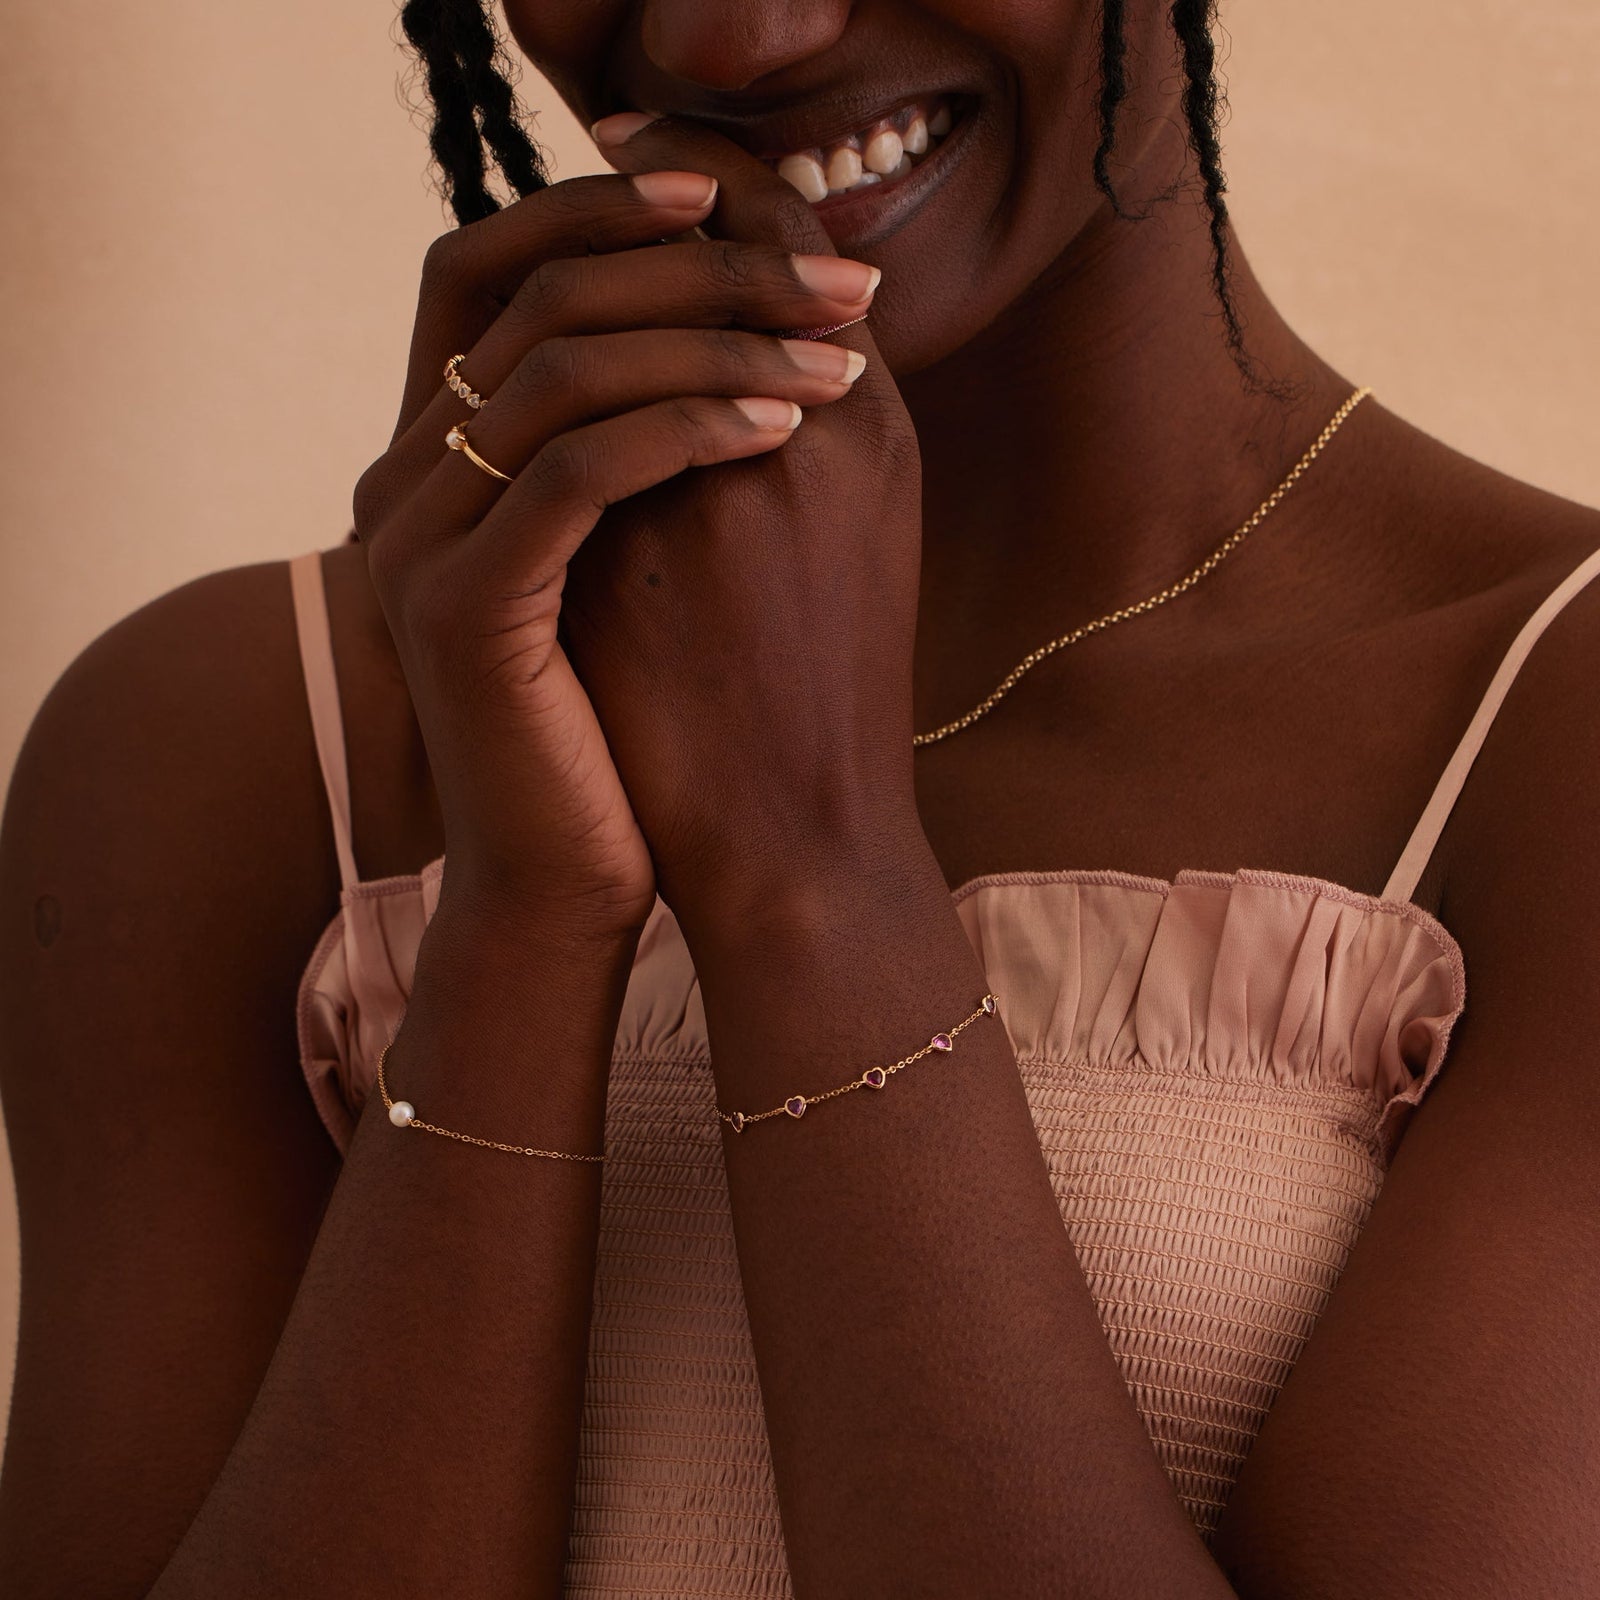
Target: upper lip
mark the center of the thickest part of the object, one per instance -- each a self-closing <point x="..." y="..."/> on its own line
<point x="819" y="122"/>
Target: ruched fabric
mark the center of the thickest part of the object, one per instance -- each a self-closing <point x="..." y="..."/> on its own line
<point x="1218" y="1070"/>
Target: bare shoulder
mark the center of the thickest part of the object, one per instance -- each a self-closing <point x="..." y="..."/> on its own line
<point x="1519" y="859"/>
<point x="1521" y="853"/>
<point x="176" y="743"/>
<point x="1450" y="1355"/>
<point x="1528" y="808"/>
<point x="180" y="742"/>
<point x="165" y="869"/>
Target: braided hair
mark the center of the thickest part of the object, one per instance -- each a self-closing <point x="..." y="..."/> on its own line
<point x="475" y="112"/>
<point x="476" y="117"/>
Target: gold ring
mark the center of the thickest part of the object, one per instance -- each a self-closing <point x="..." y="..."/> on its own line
<point x="459" y="385"/>
<point x="457" y="440"/>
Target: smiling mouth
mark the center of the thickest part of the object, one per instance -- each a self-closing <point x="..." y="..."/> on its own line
<point x="875" y="156"/>
<point x="882" y="152"/>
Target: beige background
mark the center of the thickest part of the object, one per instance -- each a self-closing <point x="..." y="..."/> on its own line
<point x="213" y="218"/>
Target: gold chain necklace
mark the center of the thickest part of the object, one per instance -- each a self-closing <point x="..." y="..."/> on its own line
<point x="1215" y="559"/>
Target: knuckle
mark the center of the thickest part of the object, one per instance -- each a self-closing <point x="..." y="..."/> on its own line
<point x="553" y="367"/>
<point x="569" y="201"/>
<point x="444" y="266"/>
<point x="689" y="415"/>
<point x="793" y="222"/>
<point x="731" y="265"/>
<point x="698" y="426"/>
<point x="385" y="567"/>
<point x="374" y="494"/>
<point x="898" y="446"/>
<point x="731" y="348"/>
<point x="546" y="292"/>
<point x="568" y="468"/>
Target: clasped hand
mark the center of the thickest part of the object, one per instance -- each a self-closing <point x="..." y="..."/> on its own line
<point x="630" y="674"/>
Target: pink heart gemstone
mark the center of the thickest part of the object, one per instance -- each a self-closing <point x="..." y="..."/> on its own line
<point x="943" y="1041"/>
<point x="874" y="1077"/>
<point x="988" y="1004"/>
<point x="737" y="1119"/>
<point x="796" y="1107"/>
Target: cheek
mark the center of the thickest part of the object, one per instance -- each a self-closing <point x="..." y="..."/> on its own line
<point x="1030" y="190"/>
<point x="1054" y="54"/>
<point x="1050" y="54"/>
<point x="568" y="41"/>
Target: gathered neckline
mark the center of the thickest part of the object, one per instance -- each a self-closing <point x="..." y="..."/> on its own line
<point x="1187" y="877"/>
<point x="1201" y="877"/>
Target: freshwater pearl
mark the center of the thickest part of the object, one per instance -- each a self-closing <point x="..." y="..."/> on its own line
<point x="401" y="1112"/>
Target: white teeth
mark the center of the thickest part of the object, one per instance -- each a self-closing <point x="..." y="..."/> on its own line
<point x="844" y="169"/>
<point x="805" y="173"/>
<point x="882" y="152"/>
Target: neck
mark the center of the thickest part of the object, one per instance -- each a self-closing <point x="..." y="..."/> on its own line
<point x="1095" y="443"/>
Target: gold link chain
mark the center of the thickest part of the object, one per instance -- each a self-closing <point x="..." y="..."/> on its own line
<point x="872" y="1078"/>
<point x="1215" y="559"/>
<point x="470" y="1138"/>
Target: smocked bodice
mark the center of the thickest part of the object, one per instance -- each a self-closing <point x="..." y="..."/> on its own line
<point x="1217" y="1069"/>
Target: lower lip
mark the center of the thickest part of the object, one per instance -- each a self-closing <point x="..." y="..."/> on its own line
<point x="864" y="216"/>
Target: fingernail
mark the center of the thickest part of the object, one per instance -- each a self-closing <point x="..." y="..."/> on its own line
<point x="831" y="361"/>
<point x="836" y="277"/>
<point x="613" y="130"/>
<point x="681" y="191"/>
<point x="779" y="416"/>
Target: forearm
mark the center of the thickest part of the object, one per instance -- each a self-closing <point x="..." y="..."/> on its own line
<point x="416" y="1432"/>
<point x="945" y="1414"/>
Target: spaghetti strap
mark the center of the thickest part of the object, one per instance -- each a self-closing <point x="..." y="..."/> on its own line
<point x="322" y="695"/>
<point x="1414" y="858"/>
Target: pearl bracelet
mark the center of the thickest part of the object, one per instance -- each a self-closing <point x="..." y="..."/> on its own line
<point x="872" y="1078"/>
<point x="404" y="1115"/>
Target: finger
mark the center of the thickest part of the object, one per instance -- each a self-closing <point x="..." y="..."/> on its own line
<point x="753" y="202"/>
<point x="472" y="273"/>
<point x="720" y="283"/>
<point x="545" y="515"/>
<point x="566" y="383"/>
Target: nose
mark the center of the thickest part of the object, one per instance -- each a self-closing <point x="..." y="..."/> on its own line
<point x="729" y="44"/>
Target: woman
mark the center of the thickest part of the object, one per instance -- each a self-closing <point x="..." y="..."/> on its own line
<point x="945" y="1243"/>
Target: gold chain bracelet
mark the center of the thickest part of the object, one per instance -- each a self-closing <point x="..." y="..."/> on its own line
<point x="404" y="1115"/>
<point x="872" y="1078"/>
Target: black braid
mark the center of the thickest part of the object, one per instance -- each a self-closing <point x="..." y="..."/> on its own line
<point x="472" y="103"/>
<point x="1192" y="22"/>
<point x="1202" y="105"/>
<point x="1113" y="90"/>
<point x="503" y="131"/>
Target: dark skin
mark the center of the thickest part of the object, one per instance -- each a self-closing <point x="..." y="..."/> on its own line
<point x="169" y="804"/>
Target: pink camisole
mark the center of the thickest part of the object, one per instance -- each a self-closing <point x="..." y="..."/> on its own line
<point x="1219" y="1069"/>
